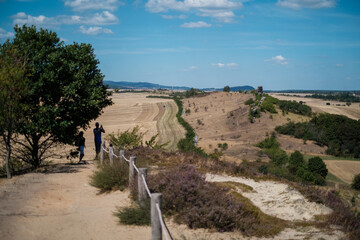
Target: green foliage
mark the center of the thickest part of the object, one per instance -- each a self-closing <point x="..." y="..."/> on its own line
<point x="109" y="177"/>
<point x="136" y="215"/>
<point x="152" y="143"/>
<point x="317" y="166"/>
<point x="263" y="169"/>
<point x="13" y="93"/>
<point x="339" y="133"/>
<point x="269" y="142"/>
<point x="356" y="182"/>
<point x="193" y="92"/>
<point x="128" y="139"/>
<point x="296" y="161"/>
<point x="339" y="96"/>
<point x="66" y="90"/>
<point x="226" y="89"/>
<point x="249" y="101"/>
<point x="187" y="144"/>
<point x="294" y="107"/>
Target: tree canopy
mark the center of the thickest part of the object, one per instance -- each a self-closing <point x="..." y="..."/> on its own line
<point x="66" y="90"/>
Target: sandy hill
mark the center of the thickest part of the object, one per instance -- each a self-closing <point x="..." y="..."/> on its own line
<point x="222" y="117"/>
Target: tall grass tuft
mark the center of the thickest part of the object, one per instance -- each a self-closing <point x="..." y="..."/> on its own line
<point x="111" y="177"/>
<point x="135" y="215"/>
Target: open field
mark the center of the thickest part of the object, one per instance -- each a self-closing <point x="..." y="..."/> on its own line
<point x="345" y="170"/>
<point x="319" y="105"/>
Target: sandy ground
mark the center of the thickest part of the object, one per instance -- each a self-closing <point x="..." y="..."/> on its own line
<point x="276" y="199"/>
<point x="223" y="117"/>
<point x="319" y="105"/>
<point x="345" y="170"/>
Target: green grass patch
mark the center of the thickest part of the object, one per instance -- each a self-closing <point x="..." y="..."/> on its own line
<point x="111" y="177"/>
<point x="135" y="215"/>
<point x="333" y="178"/>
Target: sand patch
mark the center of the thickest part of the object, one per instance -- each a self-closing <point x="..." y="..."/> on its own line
<point x="276" y="199"/>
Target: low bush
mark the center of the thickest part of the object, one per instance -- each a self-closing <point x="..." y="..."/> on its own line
<point x="135" y="215"/>
<point x="201" y="204"/>
<point x="317" y="166"/>
<point x="356" y="182"/>
<point x="127" y="139"/>
<point x="111" y="177"/>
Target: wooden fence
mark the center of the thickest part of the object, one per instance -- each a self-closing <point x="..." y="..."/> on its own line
<point x="158" y="226"/>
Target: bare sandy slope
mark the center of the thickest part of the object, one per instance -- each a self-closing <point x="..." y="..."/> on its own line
<point x="223" y="117"/>
<point x="345" y="170"/>
<point x="319" y="105"/>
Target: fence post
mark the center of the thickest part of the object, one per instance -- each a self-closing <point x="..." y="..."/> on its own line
<point x="142" y="194"/>
<point x="122" y="153"/>
<point x="111" y="155"/>
<point x="102" y="152"/>
<point x="132" y="171"/>
<point x="156" y="233"/>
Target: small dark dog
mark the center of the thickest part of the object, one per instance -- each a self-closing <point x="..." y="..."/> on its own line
<point x="74" y="154"/>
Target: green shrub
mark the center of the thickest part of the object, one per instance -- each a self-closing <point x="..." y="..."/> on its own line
<point x="356" y="182"/>
<point x="317" y="165"/>
<point x="319" y="180"/>
<point x="263" y="169"/>
<point x="249" y="102"/>
<point x="269" y="142"/>
<point x="296" y="160"/>
<point x="134" y="215"/>
<point x="128" y="139"/>
<point x="111" y="177"/>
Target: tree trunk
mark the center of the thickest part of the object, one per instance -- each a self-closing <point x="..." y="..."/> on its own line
<point x="8" y="154"/>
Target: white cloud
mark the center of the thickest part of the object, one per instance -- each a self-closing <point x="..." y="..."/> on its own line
<point x="298" y="4"/>
<point x="104" y="18"/>
<point x="225" y="65"/>
<point x="339" y="65"/>
<point x="222" y="10"/>
<point x="199" y="24"/>
<point x="191" y="68"/>
<point x="278" y="59"/>
<point x="181" y="16"/>
<point x="5" y="34"/>
<point x="81" y="5"/>
<point x="95" y="30"/>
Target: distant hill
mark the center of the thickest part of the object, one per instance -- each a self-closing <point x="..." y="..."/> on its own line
<point x="146" y="85"/>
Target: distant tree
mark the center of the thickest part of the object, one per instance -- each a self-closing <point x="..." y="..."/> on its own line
<point x="296" y="161"/>
<point x="13" y="90"/>
<point x="66" y="91"/>
<point x="317" y="165"/>
<point x="226" y="89"/>
<point x="356" y="182"/>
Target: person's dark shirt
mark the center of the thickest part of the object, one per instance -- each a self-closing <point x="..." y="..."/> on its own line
<point x="97" y="134"/>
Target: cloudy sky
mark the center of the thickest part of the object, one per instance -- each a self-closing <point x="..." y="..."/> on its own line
<point x="280" y="44"/>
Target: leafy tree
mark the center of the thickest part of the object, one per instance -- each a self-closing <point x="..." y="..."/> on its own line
<point x="296" y="161"/>
<point x="13" y="90"/>
<point x="226" y="89"/>
<point x="317" y="165"/>
<point x="356" y="182"/>
<point x="66" y="91"/>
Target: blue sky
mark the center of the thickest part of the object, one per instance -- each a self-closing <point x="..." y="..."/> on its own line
<point x="279" y="44"/>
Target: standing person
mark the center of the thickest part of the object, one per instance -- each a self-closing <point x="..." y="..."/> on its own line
<point x="97" y="137"/>
<point x="81" y="144"/>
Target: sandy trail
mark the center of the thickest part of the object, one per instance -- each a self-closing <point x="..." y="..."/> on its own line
<point x="61" y="204"/>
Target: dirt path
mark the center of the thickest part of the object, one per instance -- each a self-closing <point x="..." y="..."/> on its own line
<point x="60" y="204"/>
<point x="170" y="131"/>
